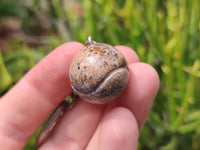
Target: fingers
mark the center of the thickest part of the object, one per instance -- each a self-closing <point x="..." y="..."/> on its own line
<point x="85" y="117"/>
<point x="118" y="130"/>
<point x="76" y="127"/>
<point x="27" y="104"/>
<point x="140" y="93"/>
<point x="80" y="123"/>
<point x="32" y="99"/>
<point x="142" y="89"/>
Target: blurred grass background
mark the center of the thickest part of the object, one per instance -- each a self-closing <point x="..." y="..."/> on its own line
<point x="164" y="33"/>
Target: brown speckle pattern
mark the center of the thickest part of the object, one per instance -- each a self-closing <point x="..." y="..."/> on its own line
<point x="91" y="68"/>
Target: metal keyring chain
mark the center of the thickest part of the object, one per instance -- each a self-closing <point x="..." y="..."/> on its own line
<point x="68" y="103"/>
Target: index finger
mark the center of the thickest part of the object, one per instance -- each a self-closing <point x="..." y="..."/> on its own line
<point x="30" y="101"/>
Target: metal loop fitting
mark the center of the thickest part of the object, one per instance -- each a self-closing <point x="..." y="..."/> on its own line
<point x="89" y="41"/>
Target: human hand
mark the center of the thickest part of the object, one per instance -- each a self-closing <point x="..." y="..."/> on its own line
<point x="116" y="125"/>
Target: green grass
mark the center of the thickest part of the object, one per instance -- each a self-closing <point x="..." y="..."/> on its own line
<point x="165" y="34"/>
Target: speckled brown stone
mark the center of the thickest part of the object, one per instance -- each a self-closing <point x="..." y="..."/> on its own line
<point x="99" y="73"/>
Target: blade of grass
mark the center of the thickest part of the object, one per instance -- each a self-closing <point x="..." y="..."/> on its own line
<point x="5" y="78"/>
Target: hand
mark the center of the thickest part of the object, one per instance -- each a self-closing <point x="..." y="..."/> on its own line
<point x="113" y="126"/>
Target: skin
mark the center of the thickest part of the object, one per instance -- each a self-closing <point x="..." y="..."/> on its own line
<point x="113" y="126"/>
